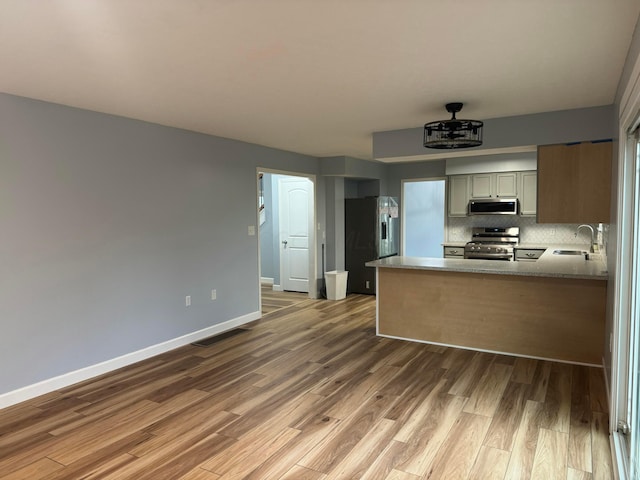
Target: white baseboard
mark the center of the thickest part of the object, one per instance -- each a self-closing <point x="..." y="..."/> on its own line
<point x="278" y="288"/>
<point x="61" y="381"/>
<point x="266" y="281"/>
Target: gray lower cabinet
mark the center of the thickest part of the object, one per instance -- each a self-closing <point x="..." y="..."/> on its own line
<point x="453" y="252"/>
<point x="529" y="254"/>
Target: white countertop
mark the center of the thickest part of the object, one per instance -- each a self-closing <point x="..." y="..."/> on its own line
<point x="548" y="265"/>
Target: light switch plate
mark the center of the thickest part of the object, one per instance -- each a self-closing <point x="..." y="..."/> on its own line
<point x="251" y="230"/>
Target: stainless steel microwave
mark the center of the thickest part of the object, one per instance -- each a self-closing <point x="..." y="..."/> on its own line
<point x="494" y="206"/>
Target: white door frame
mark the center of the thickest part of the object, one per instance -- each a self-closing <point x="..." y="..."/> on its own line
<point x="313" y="250"/>
<point x="629" y="117"/>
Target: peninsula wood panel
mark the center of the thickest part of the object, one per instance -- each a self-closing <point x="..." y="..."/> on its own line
<point x="555" y="318"/>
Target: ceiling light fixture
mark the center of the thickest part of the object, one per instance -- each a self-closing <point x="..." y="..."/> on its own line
<point x="453" y="133"/>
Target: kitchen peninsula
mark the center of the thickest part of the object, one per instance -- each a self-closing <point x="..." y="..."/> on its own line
<point x="553" y="308"/>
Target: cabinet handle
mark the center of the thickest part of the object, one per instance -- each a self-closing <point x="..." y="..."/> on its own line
<point x="453" y="251"/>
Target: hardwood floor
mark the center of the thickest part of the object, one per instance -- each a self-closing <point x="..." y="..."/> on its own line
<point x="273" y="301"/>
<point x="309" y="392"/>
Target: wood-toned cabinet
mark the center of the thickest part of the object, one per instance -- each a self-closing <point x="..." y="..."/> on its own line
<point x="574" y="183"/>
<point x="493" y="185"/>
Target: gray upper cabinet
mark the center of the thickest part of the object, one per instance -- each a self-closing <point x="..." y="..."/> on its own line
<point x="482" y="185"/>
<point x="528" y="193"/>
<point x="521" y="185"/>
<point x="507" y="184"/>
<point x="458" y="195"/>
<point x="494" y="185"/>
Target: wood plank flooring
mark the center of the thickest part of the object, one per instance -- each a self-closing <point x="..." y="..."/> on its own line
<point x="309" y="392"/>
<point x="273" y="301"/>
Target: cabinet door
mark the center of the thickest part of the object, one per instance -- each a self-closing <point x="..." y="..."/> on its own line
<point x="557" y="183"/>
<point x="453" y="252"/>
<point x="481" y="185"/>
<point x="595" y="182"/>
<point x="507" y="184"/>
<point x="458" y="195"/>
<point x="528" y="254"/>
<point x="574" y="183"/>
<point x="528" y="193"/>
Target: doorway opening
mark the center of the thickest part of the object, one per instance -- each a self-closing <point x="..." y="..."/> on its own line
<point x="286" y="237"/>
<point x="423" y="217"/>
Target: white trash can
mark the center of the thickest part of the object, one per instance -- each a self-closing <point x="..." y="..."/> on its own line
<point x="336" y="281"/>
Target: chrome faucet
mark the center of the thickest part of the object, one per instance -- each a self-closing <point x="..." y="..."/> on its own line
<point x="593" y="235"/>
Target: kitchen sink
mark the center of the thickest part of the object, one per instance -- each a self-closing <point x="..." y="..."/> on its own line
<point x="569" y="252"/>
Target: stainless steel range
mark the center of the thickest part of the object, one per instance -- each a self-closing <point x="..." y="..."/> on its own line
<point x="492" y="243"/>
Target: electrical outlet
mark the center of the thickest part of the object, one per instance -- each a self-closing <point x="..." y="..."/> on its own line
<point x="251" y="230"/>
<point x="214" y="294"/>
<point x="187" y="301"/>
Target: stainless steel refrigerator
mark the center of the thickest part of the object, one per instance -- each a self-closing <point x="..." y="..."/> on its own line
<point x="371" y="232"/>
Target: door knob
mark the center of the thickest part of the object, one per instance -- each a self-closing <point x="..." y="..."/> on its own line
<point x="284" y="242"/>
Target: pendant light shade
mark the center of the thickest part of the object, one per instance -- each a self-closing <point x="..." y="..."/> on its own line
<point x="453" y="133"/>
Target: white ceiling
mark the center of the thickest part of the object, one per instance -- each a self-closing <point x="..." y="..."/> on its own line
<point x="314" y="76"/>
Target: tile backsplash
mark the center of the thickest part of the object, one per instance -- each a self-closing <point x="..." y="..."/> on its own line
<point x="459" y="229"/>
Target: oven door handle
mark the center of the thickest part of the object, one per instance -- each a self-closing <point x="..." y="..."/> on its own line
<point x="494" y="257"/>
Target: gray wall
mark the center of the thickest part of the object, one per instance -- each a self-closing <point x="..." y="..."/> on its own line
<point x="406" y="171"/>
<point x="346" y="177"/>
<point x="107" y="223"/>
<point x="351" y="188"/>
<point x="352" y="168"/>
<point x="335" y="195"/>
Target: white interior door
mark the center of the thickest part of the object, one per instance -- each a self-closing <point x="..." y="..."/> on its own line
<point x="296" y="220"/>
